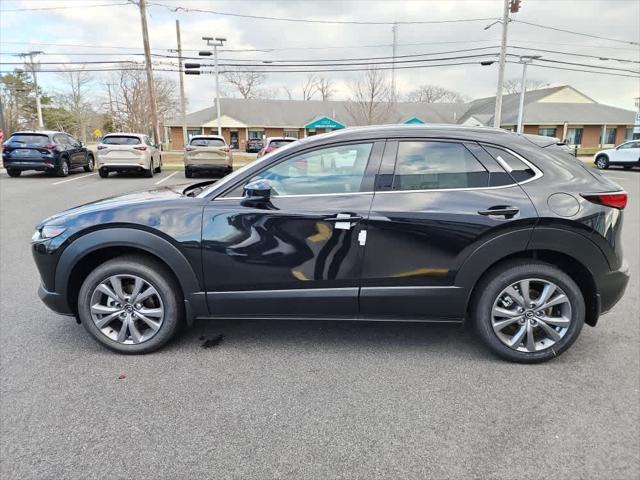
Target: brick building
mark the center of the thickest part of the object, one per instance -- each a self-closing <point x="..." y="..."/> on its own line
<point x="561" y="112"/>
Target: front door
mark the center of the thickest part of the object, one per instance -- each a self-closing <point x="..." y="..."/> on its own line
<point x="434" y="204"/>
<point x="234" y="140"/>
<point x="300" y="253"/>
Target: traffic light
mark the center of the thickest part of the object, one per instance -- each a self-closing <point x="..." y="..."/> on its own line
<point x="514" y="6"/>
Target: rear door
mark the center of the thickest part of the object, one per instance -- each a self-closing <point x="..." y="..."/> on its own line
<point x="77" y="154"/>
<point x="300" y="254"/>
<point x="435" y="203"/>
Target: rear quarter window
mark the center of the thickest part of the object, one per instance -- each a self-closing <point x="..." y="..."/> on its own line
<point x="279" y="143"/>
<point x="518" y="169"/>
<point x="121" y="140"/>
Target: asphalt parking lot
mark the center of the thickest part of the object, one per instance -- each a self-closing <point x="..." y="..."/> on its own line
<point x="301" y="400"/>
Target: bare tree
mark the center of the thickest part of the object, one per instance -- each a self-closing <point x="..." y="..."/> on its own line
<point x="75" y="98"/>
<point x="513" y="85"/>
<point x="371" y="99"/>
<point x="287" y="92"/>
<point x="246" y="81"/>
<point x="433" y="94"/>
<point x="309" y="87"/>
<point x="324" y="86"/>
<point x="130" y="103"/>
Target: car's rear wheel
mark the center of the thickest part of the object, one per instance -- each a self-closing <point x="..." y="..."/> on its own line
<point x="103" y="172"/>
<point x="188" y="173"/>
<point x="159" y="167"/>
<point x="90" y="164"/>
<point x="148" y="173"/>
<point x="602" y="162"/>
<point x="528" y="311"/>
<point x="12" y="172"/>
<point x="63" y="168"/>
<point x="130" y="304"/>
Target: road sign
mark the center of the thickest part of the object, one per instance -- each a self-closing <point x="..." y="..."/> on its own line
<point x="97" y="133"/>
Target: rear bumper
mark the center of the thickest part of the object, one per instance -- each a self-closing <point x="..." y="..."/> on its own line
<point x="122" y="166"/>
<point x="55" y="301"/>
<point x="38" y="165"/>
<point x="611" y="287"/>
<point x="206" y="167"/>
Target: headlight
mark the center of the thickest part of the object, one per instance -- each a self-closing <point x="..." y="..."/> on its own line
<point x="46" y="232"/>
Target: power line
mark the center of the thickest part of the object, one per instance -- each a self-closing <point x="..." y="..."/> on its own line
<point x="581" y="70"/>
<point x="306" y="20"/>
<point x="63" y="7"/>
<point x="576" y="33"/>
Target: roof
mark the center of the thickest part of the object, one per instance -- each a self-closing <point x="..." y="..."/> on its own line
<point x="550" y="106"/>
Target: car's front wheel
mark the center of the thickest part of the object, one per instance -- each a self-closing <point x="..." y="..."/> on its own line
<point x="528" y="311"/>
<point x="602" y="162"/>
<point x="130" y="304"/>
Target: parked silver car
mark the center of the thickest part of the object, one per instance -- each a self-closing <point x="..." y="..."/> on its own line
<point x="128" y="152"/>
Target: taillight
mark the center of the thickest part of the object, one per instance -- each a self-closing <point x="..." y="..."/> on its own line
<point x="189" y="149"/>
<point x="226" y="149"/>
<point x="49" y="146"/>
<point x="102" y="147"/>
<point x="615" y="200"/>
<point x="142" y="149"/>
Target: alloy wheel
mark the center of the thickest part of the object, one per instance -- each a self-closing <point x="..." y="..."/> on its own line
<point x="127" y="309"/>
<point x="531" y="315"/>
<point x="65" y="168"/>
<point x="601" y="163"/>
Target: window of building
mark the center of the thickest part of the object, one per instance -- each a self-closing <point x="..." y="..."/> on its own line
<point x="609" y="136"/>
<point x="291" y="133"/>
<point x="328" y="170"/>
<point x="519" y="170"/>
<point x="437" y="165"/>
<point x="256" y="134"/>
<point x="628" y="134"/>
<point x="574" y="136"/>
<point x="192" y="132"/>
<point x="547" y="131"/>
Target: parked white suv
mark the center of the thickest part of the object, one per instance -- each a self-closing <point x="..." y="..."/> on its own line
<point x="626" y="155"/>
<point x="128" y="152"/>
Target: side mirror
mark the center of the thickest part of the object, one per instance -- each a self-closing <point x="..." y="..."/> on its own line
<point x="258" y="189"/>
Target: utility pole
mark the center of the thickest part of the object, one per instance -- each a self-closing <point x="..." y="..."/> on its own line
<point x="497" y="116"/>
<point x="183" y="103"/>
<point x="215" y="43"/>
<point x="32" y="66"/>
<point x="394" y="30"/>
<point x="524" y="60"/>
<point x="149" y="68"/>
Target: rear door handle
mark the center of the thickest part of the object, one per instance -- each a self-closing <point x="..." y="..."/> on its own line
<point x="343" y="221"/>
<point x="354" y="218"/>
<point x="507" y="212"/>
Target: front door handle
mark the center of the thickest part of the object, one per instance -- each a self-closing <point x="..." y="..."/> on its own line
<point x="506" y="212"/>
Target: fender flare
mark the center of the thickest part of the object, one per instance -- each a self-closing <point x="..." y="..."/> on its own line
<point x="135" y="238"/>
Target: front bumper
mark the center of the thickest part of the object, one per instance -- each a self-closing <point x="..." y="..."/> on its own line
<point x="55" y="301"/>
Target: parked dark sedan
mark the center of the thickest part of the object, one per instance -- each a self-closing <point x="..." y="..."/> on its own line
<point x="398" y="223"/>
<point x="55" y="152"/>
<point x="254" y="145"/>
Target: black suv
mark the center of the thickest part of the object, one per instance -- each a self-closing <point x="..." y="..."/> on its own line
<point x="55" y="152"/>
<point x="402" y="223"/>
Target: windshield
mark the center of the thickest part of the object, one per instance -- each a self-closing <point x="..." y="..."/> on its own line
<point x="121" y="140"/>
<point x="279" y="143"/>
<point x="207" y="142"/>
<point x="238" y="173"/>
<point x="29" y="139"/>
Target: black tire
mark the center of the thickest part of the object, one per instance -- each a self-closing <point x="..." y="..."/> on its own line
<point x="602" y="162"/>
<point x="12" y="172"/>
<point x="503" y="275"/>
<point x="628" y="167"/>
<point x="90" y="164"/>
<point x="103" y="172"/>
<point x="62" y="170"/>
<point x="159" y="167"/>
<point x="149" y="173"/>
<point x="156" y="275"/>
<point x="188" y="173"/>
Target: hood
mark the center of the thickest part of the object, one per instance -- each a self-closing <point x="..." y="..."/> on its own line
<point x="129" y="200"/>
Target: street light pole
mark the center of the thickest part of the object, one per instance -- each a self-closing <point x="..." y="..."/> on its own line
<point x="215" y="43"/>
<point x="497" y="116"/>
<point x="524" y="60"/>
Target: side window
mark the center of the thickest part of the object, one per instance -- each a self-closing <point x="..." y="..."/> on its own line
<point x="629" y="145"/>
<point x="147" y="140"/>
<point x="72" y="141"/>
<point x="437" y="165"/>
<point x="328" y="170"/>
<point x="60" y="140"/>
<point x="519" y="170"/>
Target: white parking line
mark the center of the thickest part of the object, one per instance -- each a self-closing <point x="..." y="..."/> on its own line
<point x="74" y="178"/>
<point x="166" y="178"/>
